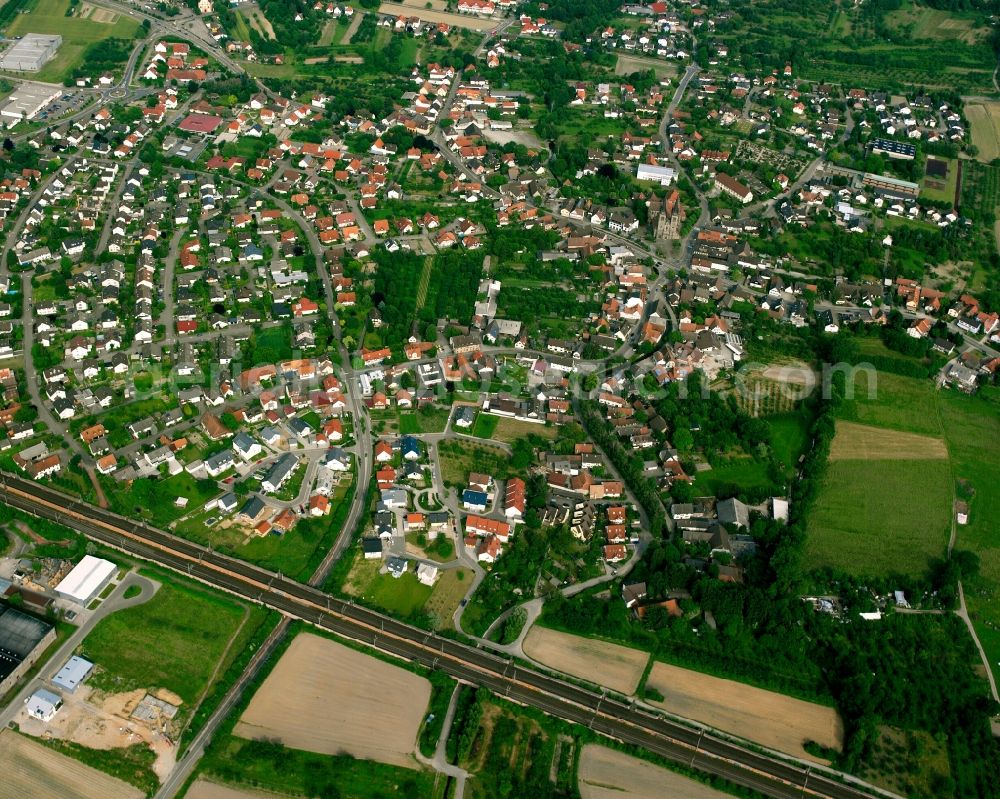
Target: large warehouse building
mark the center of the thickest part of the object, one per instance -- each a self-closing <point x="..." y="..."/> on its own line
<point x="30" y="53"/>
<point x="88" y="578"/>
<point x="26" y="101"/>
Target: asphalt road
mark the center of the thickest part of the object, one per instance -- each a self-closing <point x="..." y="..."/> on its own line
<point x="616" y="718"/>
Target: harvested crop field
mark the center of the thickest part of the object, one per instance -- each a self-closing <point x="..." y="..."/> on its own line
<point x="614" y="666"/>
<point x="861" y="442"/>
<point x="765" y="717"/>
<point x="29" y="769"/>
<point x="327" y="698"/>
<point x="428" y="15"/>
<point x="984" y="117"/>
<point x="607" y="774"/>
<point x="203" y="789"/>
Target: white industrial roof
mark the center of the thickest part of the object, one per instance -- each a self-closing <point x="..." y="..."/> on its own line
<point x="73" y="673"/>
<point x="87" y="576"/>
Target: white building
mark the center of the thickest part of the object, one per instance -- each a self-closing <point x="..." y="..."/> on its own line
<point x="427" y="573"/>
<point x="87" y="579"/>
<point x="30" y="53"/>
<point x="26" y="101"/>
<point x="73" y="673"/>
<point x="664" y="175"/>
<point x="43" y="705"/>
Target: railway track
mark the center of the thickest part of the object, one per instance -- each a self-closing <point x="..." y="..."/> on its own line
<point x="604" y="714"/>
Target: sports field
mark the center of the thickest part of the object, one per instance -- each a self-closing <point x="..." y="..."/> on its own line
<point x="765" y="717"/>
<point x="609" y="774"/>
<point x="29" y="770"/>
<point x="90" y="25"/>
<point x="984" y="118"/>
<point x="327" y="698"/>
<point x="614" y="666"/>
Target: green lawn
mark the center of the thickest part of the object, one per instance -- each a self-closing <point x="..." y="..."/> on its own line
<point x="938" y="190"/>
<point x="269" y="345"/>
<point x="174" y="641"/>
<point x="403" y="596"/>
<point x="459" y="457"/>
<point x="406" y="597"/>
<point x="429" y="419"/>
<point x="881" y="516"/>
<point x="747" y="473"/>
<point x="154" y="499"/>
<point x="789" y="437"/>
<point x="485" y="425"/>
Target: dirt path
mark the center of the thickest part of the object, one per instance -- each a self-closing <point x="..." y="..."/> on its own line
<point x="326" y="38"/>
<point x="36" y="538"/>
<point x="102" y="501"/>
<point x="353" y="27"/>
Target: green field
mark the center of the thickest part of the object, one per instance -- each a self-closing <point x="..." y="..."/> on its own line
<point x="912" y="500"/>
<point x="485" y="425"/>
<point x="176" y="641"/>
<point x="898" y="403"/>
<point x="789" y="436"/>
<point x="292" y="772"/>
<point x="405" y="596"/>
<point x="922" y="22"/>
<point x="740" y="473"/>
<point x="78" y="32"/>
<point x="972" y="430"/>
<point x="459" y="457"/>
<point x="429" y="419"/>
<point x="881" y="516"/>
